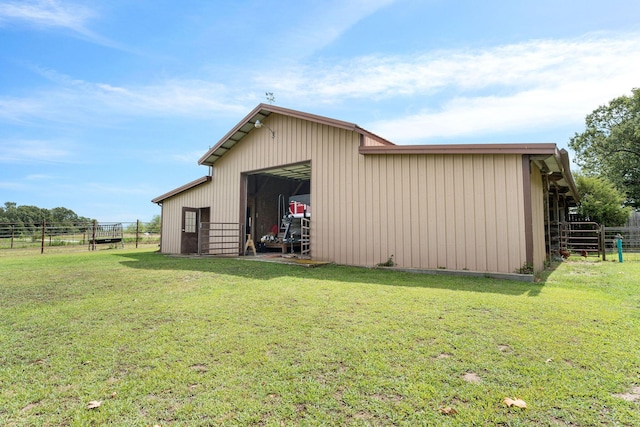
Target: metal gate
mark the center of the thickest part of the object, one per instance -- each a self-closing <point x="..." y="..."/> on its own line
<point x="582" y="237"/>
<point x="219" y="238"/>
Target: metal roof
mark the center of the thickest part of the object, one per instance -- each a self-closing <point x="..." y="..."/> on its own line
<point x="263" y="111"/>
<point x="182" y="189"/>
<point x="552" y="161"/>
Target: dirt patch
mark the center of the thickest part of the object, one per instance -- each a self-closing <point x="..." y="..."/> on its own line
<point x="631" y="396"/>
<point x="444" y="356"/>
<point x="29" y="407"/>
<point x="471" y="377"/>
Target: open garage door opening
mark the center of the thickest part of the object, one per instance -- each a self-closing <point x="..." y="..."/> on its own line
<point x="277" y="209"/>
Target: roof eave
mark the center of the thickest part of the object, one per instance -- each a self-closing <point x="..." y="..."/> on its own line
<point x="182" y="189"/>
<point x="262" y="111"/>
<point x="536" y="149"/>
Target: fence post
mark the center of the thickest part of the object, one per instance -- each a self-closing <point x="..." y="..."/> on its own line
<point x="12" y="234"/>
<point x="137" y="231"/>
<point x="92" y="243"/>
<point x="42" y="242"/>
<point x="603" y="242"/>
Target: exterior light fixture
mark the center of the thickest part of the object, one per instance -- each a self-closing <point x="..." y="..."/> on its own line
<point x="258" y="124"/>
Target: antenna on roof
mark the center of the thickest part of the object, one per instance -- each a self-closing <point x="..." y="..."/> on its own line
<point x="270" y="97"/>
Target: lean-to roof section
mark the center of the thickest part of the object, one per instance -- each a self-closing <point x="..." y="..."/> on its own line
<point x="182" y="189"/>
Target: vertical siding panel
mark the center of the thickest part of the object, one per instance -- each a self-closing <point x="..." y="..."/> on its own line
<point x="366" y="208"/>
<point x="321" y="201"/>
<point x="537" y="217"/>
<point x="316" y="188"/>
<point x="376" y="209"/>
<point x="511" y="192"/>
<point x="384" y="206"/>
<point x="440" y="217"/>
<point x="327" y="238"/>
<point x="300" y="143"/>
<point x="404" y="206"/>
<point x="412" y="194"/>
<point x="390" y="178"/>
<point x="520" y="207"/>
<point x="490" y="204"/>
<point x="338" y="203"/>
<point x="421" y="211"/>
<point x="432" y="209"/>
<point x="319" y="184"/>
<point x="397" y="207"/>
<point x="459" y="212"/>
<point x="514" y="198"/>
<point x="449" y="211"/>
<point x="501" y="251"/>
<point x="359" y="234"/>
<point x="334" y="224"/>
<point x="334" y="194"/>
<point x="346" y="201"/>
<point x="479" y="197"/>
<point x="294" y="141"/>
<point x="284" y="146"/>
<point x="469" y="216"/>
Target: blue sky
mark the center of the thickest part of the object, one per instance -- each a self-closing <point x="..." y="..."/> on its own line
<point x="105" y="105"/>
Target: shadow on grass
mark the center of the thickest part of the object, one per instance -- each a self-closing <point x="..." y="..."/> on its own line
<point x="256" y="270"/>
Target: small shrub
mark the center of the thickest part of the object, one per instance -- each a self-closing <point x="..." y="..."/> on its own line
<point x="525" y="269"/>
<point x="388" y="263"/>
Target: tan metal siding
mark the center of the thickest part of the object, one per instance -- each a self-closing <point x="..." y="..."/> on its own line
<point x="429" y="211"/>
<point x="198" y="197"/>
<point x="434" y="211"/>
<point x="537" y="208"/>
<point x="457" y="211"/>
<point x="370" y="142"/>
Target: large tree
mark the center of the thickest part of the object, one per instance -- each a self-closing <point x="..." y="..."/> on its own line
<point x="601" y="202"/>
<point x="610" y="145"/>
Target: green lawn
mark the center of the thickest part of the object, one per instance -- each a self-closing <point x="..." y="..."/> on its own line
<point x="184" y="341"/>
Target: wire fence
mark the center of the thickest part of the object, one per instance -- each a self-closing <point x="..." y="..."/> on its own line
<point x="95" y="235"/>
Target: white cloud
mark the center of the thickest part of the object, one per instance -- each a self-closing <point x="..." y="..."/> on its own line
<point x="458" y="93"/>
<point x="34" y="151"/>
<point x="102" y="103"/>
<point x="49" y="14"/>
<point x="13" y="109"/>
<point x="448" y="93"/>
<point x="46" y="13"/>
<point x="319" y="24"/>
<point x="530" y="64"/>
<point x="10" y="185"/>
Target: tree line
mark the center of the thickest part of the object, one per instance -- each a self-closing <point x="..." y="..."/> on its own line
<point x="30" y="216"/>
<point x="25" y="218"/>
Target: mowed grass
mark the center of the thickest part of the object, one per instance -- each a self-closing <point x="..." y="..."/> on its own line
<point x="172" y="341"/>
